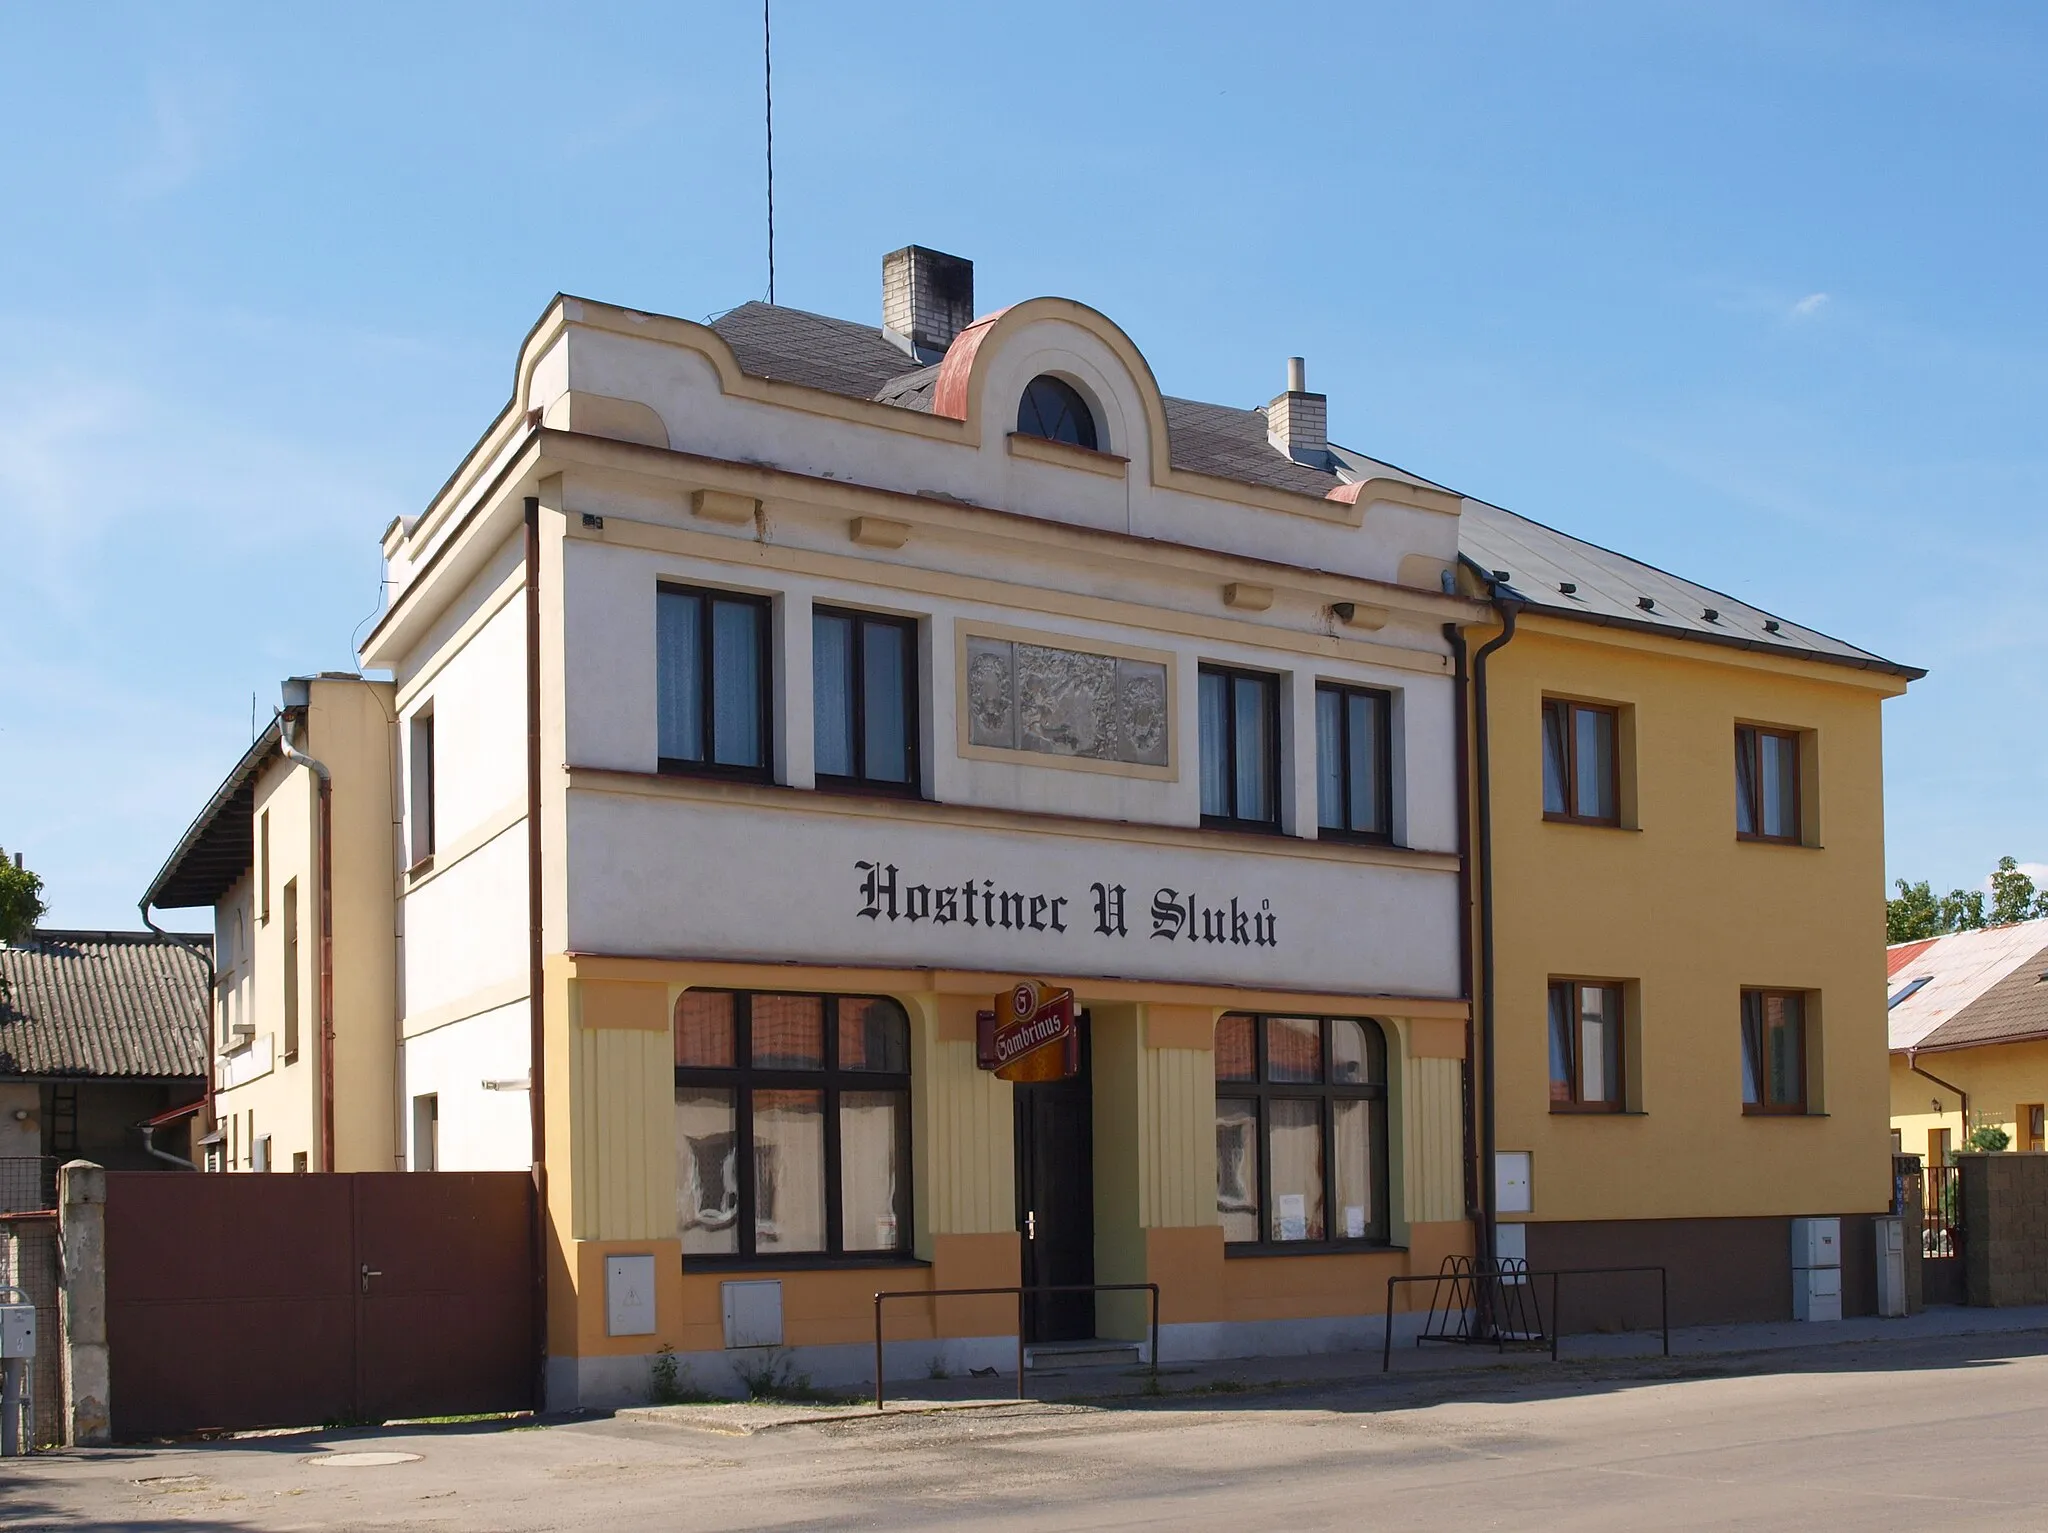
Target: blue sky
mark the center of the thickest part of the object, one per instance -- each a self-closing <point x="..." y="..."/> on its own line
<point x="1751" y="291"/>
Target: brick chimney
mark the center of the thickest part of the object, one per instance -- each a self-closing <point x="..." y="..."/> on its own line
<point x="1298" y="422"/>
<point x="927" y="299"/>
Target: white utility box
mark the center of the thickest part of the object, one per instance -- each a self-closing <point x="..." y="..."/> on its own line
<point x="1891" y="1265"/>
<point x="17" y="1330"/>
<point x="753" y="1313"/>
<point x="629" y="1295"/>
<point x="1817" y="1269"/>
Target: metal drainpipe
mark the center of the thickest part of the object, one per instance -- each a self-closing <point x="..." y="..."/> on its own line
<point x="536" y="967"/>
<point x="205" y="957"/>
<point x="1489" y="1198"/>
<point x="1461" y="688"/>
<point x="325" y="780"/>
<point x="1912" y="1063"/>
<point x="149" y="1144"/>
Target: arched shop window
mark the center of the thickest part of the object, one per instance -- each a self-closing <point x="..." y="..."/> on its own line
<point x="1054" y="409"/>
<point x="792" y="1127"/>
<point x="1301" y="1132"/>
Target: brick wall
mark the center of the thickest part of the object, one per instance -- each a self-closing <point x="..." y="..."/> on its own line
<point x="2005" y="1227"/>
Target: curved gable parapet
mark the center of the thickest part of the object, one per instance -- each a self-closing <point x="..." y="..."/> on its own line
<point x="1401" y="492"/>
<point x="1130" y="401"/>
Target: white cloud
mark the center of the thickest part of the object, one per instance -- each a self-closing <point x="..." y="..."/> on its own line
<point x="1808" y="307"/>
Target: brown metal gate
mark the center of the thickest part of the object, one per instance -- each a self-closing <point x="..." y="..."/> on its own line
<point x="1941" y="1236"/>
<point x="249" y="1301"/>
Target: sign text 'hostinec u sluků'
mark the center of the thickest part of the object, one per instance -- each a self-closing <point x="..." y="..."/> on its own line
<point x="1176" y="915"/>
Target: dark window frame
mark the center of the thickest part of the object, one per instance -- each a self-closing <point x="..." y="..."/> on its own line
<point x="1073" y="405"/>
<point x="1262" y="1092"/>
<point x="1757" y="1056"/>
<point x="913" y="718"/>
<point x="1576" y="1040"/>
<point x="707" y="662"/>
<point x="1571" y="707"/>
<point x="1232" y="674"/>
<point x="1749" y="755"/>
<point x="745" y="1077"/>
<point x="1383" y="772"/>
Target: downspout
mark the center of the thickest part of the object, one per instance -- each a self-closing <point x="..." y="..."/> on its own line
<point x="1912" y="1063"/>
<point x="1462" y="686"/>
<point x="325" y="856"/>
<point x="205" y="957"/>
<point x="149" y="1144"/>
<point x="1489" y="1191"/>
<point x="536" y="1070"/>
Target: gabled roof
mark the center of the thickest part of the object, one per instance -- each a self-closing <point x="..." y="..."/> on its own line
<point x="1610" y="588"/>
<point x="1970" y="988"/>
<point x="218" y="847"/>
<point x="863" y="362"/>
<point x="104" y="1004"/>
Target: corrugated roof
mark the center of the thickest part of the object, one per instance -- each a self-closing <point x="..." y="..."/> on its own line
<point x="1962" y="971"/>
<point x="109" y="1004"/>
<point x="1611" y="588"/>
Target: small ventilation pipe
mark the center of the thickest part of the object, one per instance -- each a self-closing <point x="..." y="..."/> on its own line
<point x="149" y="1144"/>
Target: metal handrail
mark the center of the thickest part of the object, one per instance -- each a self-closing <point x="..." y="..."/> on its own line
<point x="1019" y="1292"/>
<point x="1555" y="1275"/>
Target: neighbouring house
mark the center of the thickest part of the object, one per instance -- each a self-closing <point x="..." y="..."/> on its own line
<point x="304" y="1006"/>
<point x="1968" y="1016"/>
<point x="102" y="1055"/>
<point x="1687" y="875"/>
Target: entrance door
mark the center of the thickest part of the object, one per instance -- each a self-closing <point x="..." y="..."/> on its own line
<point x="1056" y="1201"/>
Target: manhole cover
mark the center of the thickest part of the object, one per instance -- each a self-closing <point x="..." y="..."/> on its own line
<point x="362" y="1460"/>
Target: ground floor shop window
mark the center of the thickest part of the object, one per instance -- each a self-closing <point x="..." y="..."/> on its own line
<point x="1301" y="1131"/>
<point x="792" y="1126"/>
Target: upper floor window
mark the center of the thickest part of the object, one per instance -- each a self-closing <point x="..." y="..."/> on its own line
<point x="1585" y="1046"/>
<point x="1054" y="409"/>
<point x="1301" y="1130"/>
<point x="792" y="1125"/>
<point x="422" y="787"/>
<point x="1240" y="749"/>
<point x="1766" y="784"/>
<point x="1581" y="771"/>
<point x="864" y="698"/>
<point x="1773" y="1051"/>
<point x="712" y="677"/>
<point x="1354" y="762"/>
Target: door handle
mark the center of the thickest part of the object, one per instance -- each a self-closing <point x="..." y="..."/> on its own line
<point x="368" y="1273"/>
<point x="1031" y="1224"/>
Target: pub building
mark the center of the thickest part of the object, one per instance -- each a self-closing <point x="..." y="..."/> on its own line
<point x="993" y="823"/>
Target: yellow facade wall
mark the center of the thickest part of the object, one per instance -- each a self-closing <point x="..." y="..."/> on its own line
<point x="1687" y="916"/>
<point x="611" y="1133"/>
<point x="2000" y="1078"/>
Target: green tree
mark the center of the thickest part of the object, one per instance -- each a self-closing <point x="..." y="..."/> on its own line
<point x="2012" y="894"/>
<point x="21" y="900"/>
<point x="1962" y="910"/>
<point x="1914" y="915"/>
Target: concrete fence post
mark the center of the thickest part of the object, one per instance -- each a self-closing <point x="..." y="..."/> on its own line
<point x="82" y="1297"/>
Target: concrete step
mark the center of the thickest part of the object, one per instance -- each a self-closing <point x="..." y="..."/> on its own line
<point x="1054" y="1356"/>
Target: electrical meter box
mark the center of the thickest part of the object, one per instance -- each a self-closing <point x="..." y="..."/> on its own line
<point x="1816" y="1243"/>
<point x="17" y="1330"/>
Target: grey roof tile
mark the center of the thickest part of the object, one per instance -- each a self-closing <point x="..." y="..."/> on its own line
<point x="114" y="1004"/>
<point x="1610" y="588"/>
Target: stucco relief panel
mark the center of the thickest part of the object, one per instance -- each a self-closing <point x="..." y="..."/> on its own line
<point x="1055" y="701"/>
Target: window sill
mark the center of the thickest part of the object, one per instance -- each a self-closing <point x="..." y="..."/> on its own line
<point x="1234" y="1250"/>
<point x="1785" y="841"/>
<point x="420" y="869"/>
<point x="804" y="1262"/>
<point x="669" y="766"/>
<point x="855" y="787"/>
<point x="1353" y="837"/>
<point x="1240" y="827"/>
<point x="1792" y="1113"/>
<point x="1045" y="450"/>
<point x="1566" y="1110"/>
<point x="1566" y="819"/>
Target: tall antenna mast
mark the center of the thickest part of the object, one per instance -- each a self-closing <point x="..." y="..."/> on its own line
<point x="768" y="91"/>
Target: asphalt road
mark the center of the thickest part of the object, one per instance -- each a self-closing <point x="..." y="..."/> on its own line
<point x="1942" y="1432"/>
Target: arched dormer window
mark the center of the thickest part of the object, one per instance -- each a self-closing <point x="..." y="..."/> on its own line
<point x="1055" y="410"/>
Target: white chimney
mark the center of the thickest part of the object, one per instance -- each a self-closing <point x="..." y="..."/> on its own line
<point x="927" y="299"/>
<point x="1298" y="422"/>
